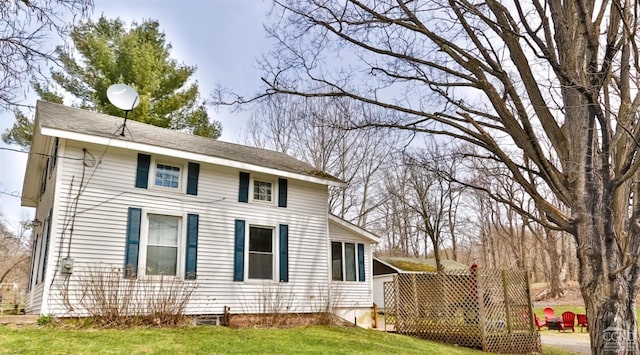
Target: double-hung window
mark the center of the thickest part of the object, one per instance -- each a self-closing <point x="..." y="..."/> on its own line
<point x="162" y="245"/>
<point x="260" y="253"/>
<point x="347" y="262"/>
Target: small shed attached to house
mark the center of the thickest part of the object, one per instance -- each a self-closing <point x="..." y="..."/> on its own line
<point x="384" y="268"/>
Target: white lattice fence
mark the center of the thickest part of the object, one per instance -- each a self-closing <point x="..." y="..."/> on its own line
<point x="487" y="309"/>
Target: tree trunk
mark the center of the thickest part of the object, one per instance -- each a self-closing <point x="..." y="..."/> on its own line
<point x="436" y="255"/>
<point x="613" y="303"/>
<point x="485" y="254"/>
<point x="556" y="287"/>
<point x="565" y="275"/>
<point x="607" y="276"/>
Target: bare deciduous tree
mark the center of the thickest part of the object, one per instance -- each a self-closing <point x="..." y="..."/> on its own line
<point x="14" y="254"/>
<point x="422" y="204"/>
<point x="555" y="81"/>
<point x="26" y="27"/>
<point x="313" y="130"/>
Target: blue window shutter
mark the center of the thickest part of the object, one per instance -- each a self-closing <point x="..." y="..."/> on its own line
<point x="192" y="247"/>
<point x="45" y="176"/>
<point x="54" y="154"/>
<point x="192" y="178"/>
<point x="142" y="173"/>
<point x="282" y="192"/>
<point x="284" y="253"/>
<point x="243" y="192"/>
<point x="238" y="255"/>
<point x="361" y="276"/>
<point x="133" y="242"/>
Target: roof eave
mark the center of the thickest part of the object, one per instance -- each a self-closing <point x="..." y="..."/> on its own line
<point x="355" y="229"/>
<point x="387" y="265"/>
<point x="33" y="172"/>
<point x="148" y="148"/>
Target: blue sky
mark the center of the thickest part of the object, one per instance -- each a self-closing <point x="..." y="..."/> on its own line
<point x="223" y="38"/>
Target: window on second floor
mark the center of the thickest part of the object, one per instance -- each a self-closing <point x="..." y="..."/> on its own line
<point x="167" y="176"/>
<point x="54" y="155"/>
<point x="175" y="176"/>
<point x="45" y="176"/>
<point x="262" y="190"/>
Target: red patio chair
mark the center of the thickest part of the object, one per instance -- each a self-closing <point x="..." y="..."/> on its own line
<point x="568" y="320"/>
<point x="549" y="314"/>
<point x="582" y="322"/>
<point x="539" y="323"/>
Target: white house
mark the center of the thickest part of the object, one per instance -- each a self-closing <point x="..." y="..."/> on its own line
<point x="232" y="220"/>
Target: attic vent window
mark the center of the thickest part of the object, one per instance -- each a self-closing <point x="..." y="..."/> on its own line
<point x="167" y="176"/>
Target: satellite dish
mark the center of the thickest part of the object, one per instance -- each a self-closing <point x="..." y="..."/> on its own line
<point x="123" y="97"/>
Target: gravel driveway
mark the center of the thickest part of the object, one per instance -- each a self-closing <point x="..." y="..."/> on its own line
<point x="577" y="345"/>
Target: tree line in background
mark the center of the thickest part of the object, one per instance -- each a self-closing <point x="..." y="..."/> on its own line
<point x="427" y="198"/>
<point x="15" y="253"/>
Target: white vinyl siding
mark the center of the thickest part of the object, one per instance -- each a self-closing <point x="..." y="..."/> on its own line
<point x="99" y="236"/>
<point x="37" y="298"/>
<point x="354" y="293"/>
<point x="378" y="289"/>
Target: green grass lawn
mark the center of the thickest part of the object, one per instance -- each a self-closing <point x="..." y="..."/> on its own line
<point x="220" y="340"/>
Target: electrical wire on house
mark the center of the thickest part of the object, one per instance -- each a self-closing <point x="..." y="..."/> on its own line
<point x="88" y="161"/>
<point x="64" y="288"/>
<point x="77" y="199"/>
<point x="12" y="194"/>
<point x="39" y="154"/>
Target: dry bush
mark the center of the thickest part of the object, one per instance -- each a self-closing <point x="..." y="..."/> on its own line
<point x="271" y="307"/>
<point x="111" y="300"/>
<point x="324" y="305"/>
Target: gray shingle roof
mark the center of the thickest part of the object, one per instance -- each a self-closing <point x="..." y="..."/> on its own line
<point x="70" y="119"/>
